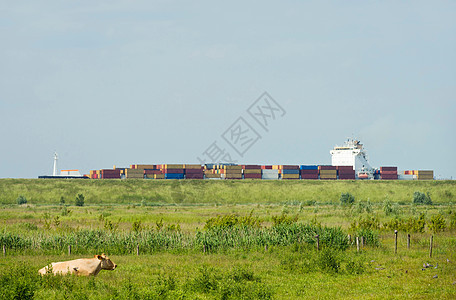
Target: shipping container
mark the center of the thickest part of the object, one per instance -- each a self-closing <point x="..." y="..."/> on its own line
<point x="308" y="167"/>
<point x="388" y="169"/>
<point x="290" y="171"/>
<point x="327" y="168"/>
<point x="252" y="171"/>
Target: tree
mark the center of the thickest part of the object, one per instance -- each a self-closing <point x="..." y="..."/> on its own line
<point x="79" y="200"/>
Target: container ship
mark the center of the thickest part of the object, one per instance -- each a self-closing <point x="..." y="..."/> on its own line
<point x="348" y="162"/>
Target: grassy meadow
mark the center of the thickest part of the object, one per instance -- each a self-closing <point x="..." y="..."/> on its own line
<point x="229" y="239"/>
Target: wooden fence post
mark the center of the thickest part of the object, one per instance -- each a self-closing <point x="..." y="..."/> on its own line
<point x="357" y="244"/>
<point x="69" y="249"/>
<point x="137" y="249"/>
<point x="4" y="250"/>
<point x="408" y="241"/>
<point x="430" y="246"/>
<point x="318" y="242"/>
<point x="395" y="241"/>
<point x="204" y="248"/>
<point x="349" y="239"/>
<point x="266" y="248"/>
<point x="362" y="242"/>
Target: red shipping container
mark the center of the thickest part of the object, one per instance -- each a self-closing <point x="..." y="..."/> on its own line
<point x="309" y="176"/>
<point x="252" y="176"/>
<point x="189" y="171"/>
<point x="388" y="172"/>
<point x="254" y="167"/>
<point x="194" y="176"/>
<point x="175" y="171"/>
<point x="290" y="167"/>
<point x="152" y="172"/>
<point x="389" y="177"/>
<point x="388" y="169"/>
<point x="304" y="172"/>
<point x="345" y="168"/>
<point x="327" y="167"/>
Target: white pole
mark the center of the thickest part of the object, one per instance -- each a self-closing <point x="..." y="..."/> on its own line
<point x="55" y="164"/>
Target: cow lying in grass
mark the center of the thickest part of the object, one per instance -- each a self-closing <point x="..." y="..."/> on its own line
<point x="82" y="267"/>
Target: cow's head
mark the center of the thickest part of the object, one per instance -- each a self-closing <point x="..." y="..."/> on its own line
<point x="106" y="263"/>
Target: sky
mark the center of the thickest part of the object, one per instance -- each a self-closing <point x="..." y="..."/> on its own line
<point x="108" y="83"/>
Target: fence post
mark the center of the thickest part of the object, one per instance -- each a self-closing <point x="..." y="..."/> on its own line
<point x="4" y="250"/>
<point x="357" y="244"/>
<point x="69" y="249"/>
<point x="318" y="242"/>
<point x="395" y="241"/>
<point x="362" y="242"/>
<point x="408" y="241"/>
<point x="266" y="248"/>
<point x="204" y="248"/>
<point x="430" y="246"/>
<point x="349" y="239"/>
<point x="137" y="249"/>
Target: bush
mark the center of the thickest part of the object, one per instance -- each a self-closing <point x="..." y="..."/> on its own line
<point x="437" y="223"/>
<point x="20" y="282"/>
<point x="329" y="261"/>
<point x="354" y="267"/>
<point x="347" y="199"/>
<point x="422" y="198"/>
<point x="284" y="219"/>
<point x="21" y="200"/>
<point x="79" y="200"/>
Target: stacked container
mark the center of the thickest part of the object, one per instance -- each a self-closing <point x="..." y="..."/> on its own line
<point x="309" y="172"/>
<point x="232" y="172"/>
<point x="290" y="172"/>
<point x="346" y="172"/>
<point x="425" y="175"/>
<point x="268" y="173"/>
<point x="150" y="173"/>
<point x="134" y="173"/>
<point x="388" y="173"/>
<point x="173" y="171"/>
<point x="93" y="174"/>
<point x="110" y="174"/>
<point x="252" y="171"/>
<point x="328" y="172"/>
<point x="194" y="172"/>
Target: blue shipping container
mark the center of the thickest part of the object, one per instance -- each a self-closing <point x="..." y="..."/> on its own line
<point x="174" y="176"/>
<point x="285" y="171"/>
<point x="309" y="167"/>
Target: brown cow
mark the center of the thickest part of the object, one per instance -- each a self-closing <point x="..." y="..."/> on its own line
<point x="82" y="267"/>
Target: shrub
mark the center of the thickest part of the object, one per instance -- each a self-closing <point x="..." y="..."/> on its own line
<point x="21" y="200"/>
<point x="328" y="260"/>
<point x="354" y="267"/>
<point x="370" y="236"/>
<point x="368" y="222"/>
<point x="62" y="200"/>
<point x="422" y="198"/>
<point x="79" y="200"/>
<point x="20" y="282"/>
<point x="347" y="199"/>
<point x="284" y="219"/>
<point x="437" y="223"/>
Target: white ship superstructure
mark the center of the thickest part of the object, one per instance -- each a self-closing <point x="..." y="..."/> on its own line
<point x="353" y="154"/>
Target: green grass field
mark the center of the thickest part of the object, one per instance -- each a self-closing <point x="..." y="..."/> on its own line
<point x="268" y="254"/>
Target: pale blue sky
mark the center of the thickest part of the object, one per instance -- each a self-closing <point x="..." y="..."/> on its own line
<point x="108" y="83"/>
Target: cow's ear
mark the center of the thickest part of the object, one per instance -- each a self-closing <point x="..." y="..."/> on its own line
<point x="99" y="257"/>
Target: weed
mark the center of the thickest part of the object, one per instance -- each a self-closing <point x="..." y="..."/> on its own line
<point x="21" y="200"/>
<point x="422" y="198"/>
